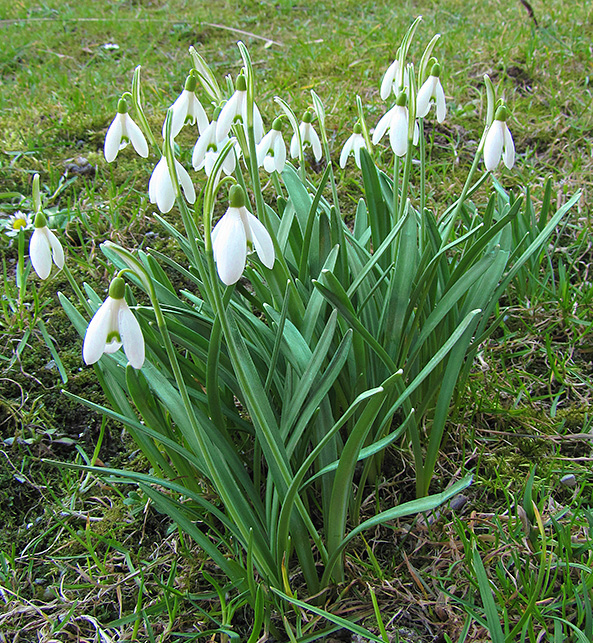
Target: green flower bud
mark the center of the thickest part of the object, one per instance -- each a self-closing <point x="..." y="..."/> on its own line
<point x="117" y="288"/>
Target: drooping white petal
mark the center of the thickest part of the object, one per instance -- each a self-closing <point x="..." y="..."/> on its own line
<point x="508" y="155"/>
<point x="160" y="187"/>
<point x="40" y="252"/>
<point x="197" y="112"/>
<point x="258" y="124"/>
<point x="131" y="335"/>
<point x="383" y="125"/>
<point x="185" y="182"/>
<point x="388" y="79"/>
<point x="398" y="132"/>
<point x="206" y="139"/>
<point x="440" y="101"/>
<point x="294" y="146"/>
<point x="179" y="108"/>
<point x="134" y="133"/>
<point x="261" y="240"/>
<point x="263" y="147"/>
<point x="425" y="93"/>
<point x="359" y="143"/>
<point x="56" y="249"/>
<point x="113" y="138"/>
<point x="229" y="246"/>
<point x="101" y="326"/>
<point x="313" y="138"/>
<point x="493" y="145"/>
<point x="231" y="109"/>
<point x="346" y="150"/>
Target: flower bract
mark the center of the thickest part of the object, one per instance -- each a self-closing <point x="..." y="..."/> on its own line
<point x="160" y="185"/>
<point x="114" y="326"/>
<point x="236" y="234"/>
<point x="122" y="131"/>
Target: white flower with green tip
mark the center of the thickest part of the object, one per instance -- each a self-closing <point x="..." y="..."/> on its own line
<point x="271" y="150"/>
<point x="122" y="131"/>
<point x="499" y="142"/>
<point x="160" y="185"/>
<point x="236" y="234"/>
<point x="114" y="326"/>
<point x="207" y="150"/>
<point x="396" y="122"/>
<point x="308" y="137"/>
<point x="393" y="80"/>
<point x="353" y="146"/>
<point x="44" y="248"/>
<point x="234" y="112"/>
<point x="187" y="109"/>
<point x="432" y="88"/>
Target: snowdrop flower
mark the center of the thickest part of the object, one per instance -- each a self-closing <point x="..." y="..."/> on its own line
<point x="122" y="131"/>
<point x="353" y="146"/>
<point x="44" y="248"/>
<point x="237" y="233"/>
<point x="235" y="111"/>
<point x="112" y="326"/>
<point x="271" y="151"/>
<point x="187" y="109"/>
<point x="499" y="142"/>
<point x="393" y="80"/>
<point x="207" y="149"/>
<point x="160" y="185"/>
<point x="432" y="88"/>
<point x="396" y="121"/>
<point x="308" y="136"/>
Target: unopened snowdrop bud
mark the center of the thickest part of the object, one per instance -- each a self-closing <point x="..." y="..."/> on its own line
<point x="44" y="248"/>
<point x="187" y="109"/>
<point x="308" y="137"/>
<point x="122" y="131"/>
<point x="112" y="326"/>
<point x="236" y="234"/>
<point x="160" y="185"/>
<point x="234" y="112"/>
<point x="499" y="142"/>
<point x="432" y="88"/>
<point x="396" y="121"/>
<point x="353" y="146"/>
<point x="271" y="150"/>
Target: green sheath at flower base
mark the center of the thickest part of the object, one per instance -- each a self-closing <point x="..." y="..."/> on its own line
<point x="241" y="84"/>
<point x="502" y="113"/>
<point x="236" y="197"/>
<point x="122" y="106"/>
<point x="191" y="83"/>
<point x="40" y="220"/>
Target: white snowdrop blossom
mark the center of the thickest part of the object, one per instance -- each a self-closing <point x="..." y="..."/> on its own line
<point x="393" y="80"/>
<point x="207" y="149"/>
<point x="44" y="248"/>
<point x="308" y="137"/>
<point x="160" y="185"/>
<point x="499" y="142"/>
<point x="234" y="111"/>
<point x="353" y="146"/>
<point x="187" y="109"/>
<point x="271" y="150"/>
<point x="396" y="121"/>
<point x="236" y="234"/>
<point x="432" y="88"/>
<point x="114" y="326"/>
<point x="122" y="131"/>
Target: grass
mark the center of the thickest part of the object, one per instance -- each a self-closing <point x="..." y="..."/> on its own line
<point x="80" y="559"/>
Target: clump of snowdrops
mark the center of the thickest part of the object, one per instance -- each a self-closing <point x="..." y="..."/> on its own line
<point x="300" y="346"/>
